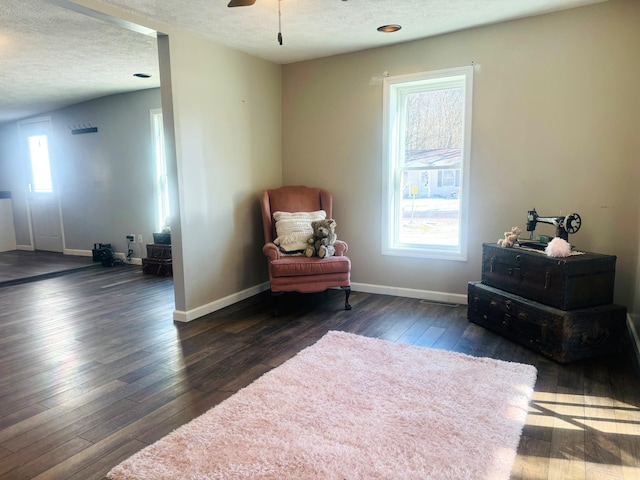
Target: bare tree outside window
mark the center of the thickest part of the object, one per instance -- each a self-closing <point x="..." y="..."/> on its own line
<point x="434" y="119"/>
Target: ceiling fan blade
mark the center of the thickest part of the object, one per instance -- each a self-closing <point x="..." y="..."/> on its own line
<point x="241" y="3"/>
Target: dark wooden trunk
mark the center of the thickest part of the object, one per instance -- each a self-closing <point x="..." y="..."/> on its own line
<point x="562" y="335"/>
<point x="157" y="266"/>
<point x="156" y="250"/>
<point x="159" y="260"/>
<point x="577" y="281"/>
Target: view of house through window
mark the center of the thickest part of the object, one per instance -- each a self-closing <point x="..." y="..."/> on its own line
<point x="427" y="131"/>
<point x="40" y="169"/>
<point x="161" y="182"/>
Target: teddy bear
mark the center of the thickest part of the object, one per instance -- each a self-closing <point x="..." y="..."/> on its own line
<point x="510" y="237"/>
<point x="322" y="242"/>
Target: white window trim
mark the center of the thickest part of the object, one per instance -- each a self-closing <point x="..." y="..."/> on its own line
<point x="389" y="120"/>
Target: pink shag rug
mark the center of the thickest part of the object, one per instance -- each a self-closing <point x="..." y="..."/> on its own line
<point x="351" y="407"/>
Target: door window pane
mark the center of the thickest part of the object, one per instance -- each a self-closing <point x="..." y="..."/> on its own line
<point x="40" y="169"/>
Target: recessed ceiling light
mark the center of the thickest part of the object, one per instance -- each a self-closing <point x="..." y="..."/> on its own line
<point x="389" y="28"/>
<point x="142" y="75"/>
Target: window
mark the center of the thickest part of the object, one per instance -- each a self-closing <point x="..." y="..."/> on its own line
<point x="427" y="131"/>
<point x="40" y="169"/>
<point x="161" y="181"/>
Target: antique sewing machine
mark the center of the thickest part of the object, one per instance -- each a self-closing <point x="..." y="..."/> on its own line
<point x="564" y="226"/>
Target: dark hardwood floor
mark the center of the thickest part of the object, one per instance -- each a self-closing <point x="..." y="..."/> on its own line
<point x="92" y="369"/>
<point x="20" y="266"/>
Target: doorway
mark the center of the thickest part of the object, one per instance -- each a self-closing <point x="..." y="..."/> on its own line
<point x="43" y="199"/>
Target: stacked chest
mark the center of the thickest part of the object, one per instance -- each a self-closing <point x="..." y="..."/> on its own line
<point x="560" y="307"/>
<point x="158" y="261"/>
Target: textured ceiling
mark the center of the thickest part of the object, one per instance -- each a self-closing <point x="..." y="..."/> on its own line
<point x="51" y="56"/>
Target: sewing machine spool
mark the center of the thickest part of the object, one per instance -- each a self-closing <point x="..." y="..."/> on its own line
<point x="564" y="225"/>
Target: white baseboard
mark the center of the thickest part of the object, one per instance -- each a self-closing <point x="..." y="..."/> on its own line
<point x="77" y="252"/>
<point x="187" y="316"/>
<point x="27" y="248"/>
<point x="131" y="261"/>
<point x="182" y="316"/>
<point x="442" y="297"/>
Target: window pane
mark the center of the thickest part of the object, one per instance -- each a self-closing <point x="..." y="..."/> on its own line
<point x="429" y="213"/>
<point x="434" y="120"/>
<point x="433" y="128"/>
<point x="161" y="183"/>
<point x="40" y="169"/>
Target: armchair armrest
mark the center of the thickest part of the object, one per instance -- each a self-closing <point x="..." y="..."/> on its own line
<point x="271" y="251"/>
<point x="341" y="248"/>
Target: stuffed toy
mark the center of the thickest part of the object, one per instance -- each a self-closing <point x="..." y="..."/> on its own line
<point x="510" y="238"/>
<point x="558" y="247"/>
<point x="322" y="242"/>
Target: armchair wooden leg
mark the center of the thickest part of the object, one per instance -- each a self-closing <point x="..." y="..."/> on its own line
<point x="276" y="303"/>
<point x="347" y="292"/>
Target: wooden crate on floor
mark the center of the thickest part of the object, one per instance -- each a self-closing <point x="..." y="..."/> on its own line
<point x="157" y="250"/>
<point x="157" y="266"/>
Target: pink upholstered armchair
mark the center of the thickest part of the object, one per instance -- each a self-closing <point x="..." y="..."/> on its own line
<point x="300" y="273"/>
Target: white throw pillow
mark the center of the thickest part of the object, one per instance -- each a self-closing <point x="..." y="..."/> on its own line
<point x="293" y="229"/>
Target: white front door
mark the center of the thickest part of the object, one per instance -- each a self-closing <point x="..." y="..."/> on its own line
<point x="44" y="201"/>
<point x="45" y="221"/>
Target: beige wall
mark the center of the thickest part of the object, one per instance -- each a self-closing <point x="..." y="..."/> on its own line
<point x="555" y="126"/>
<point x="227" y="122"/>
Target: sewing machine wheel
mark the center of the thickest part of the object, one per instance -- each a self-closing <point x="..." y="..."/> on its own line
<point x="572" y="222"/>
